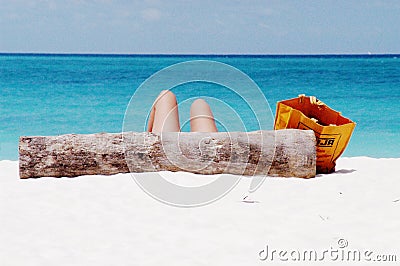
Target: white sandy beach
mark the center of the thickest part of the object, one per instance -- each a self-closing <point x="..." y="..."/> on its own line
<point x="109" y="220"/>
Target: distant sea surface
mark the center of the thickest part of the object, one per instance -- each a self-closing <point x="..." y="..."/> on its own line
<point x="59" y="94"/>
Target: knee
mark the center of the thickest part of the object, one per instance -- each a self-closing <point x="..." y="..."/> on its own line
<point x="166" y="96"/>
<point x="200" y="108"/>
<point x="199" y="104"/>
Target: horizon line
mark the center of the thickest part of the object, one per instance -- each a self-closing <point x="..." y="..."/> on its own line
<point x="197" y="54"/>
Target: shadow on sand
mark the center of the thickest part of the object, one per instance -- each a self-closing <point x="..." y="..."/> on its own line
<point x="341" y="171"/>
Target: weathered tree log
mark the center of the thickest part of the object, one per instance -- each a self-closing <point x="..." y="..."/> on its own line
<point x="282" y="153"/>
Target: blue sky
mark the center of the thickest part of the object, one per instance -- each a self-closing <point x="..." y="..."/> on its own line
<point x="203" y="27"/>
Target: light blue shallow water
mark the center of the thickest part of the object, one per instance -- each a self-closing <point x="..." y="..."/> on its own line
<point x="60" y="94"/>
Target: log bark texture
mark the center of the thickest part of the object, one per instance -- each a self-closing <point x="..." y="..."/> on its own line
<point x="284" y="153"/>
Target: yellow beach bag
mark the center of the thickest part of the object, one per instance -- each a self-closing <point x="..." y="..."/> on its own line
<point x="332" y="130"/>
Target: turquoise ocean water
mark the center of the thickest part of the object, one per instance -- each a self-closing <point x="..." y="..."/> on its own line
<point x="60" y="94"/>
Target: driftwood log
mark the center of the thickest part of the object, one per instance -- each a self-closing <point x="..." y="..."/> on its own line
<point x="285" y="153"/>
